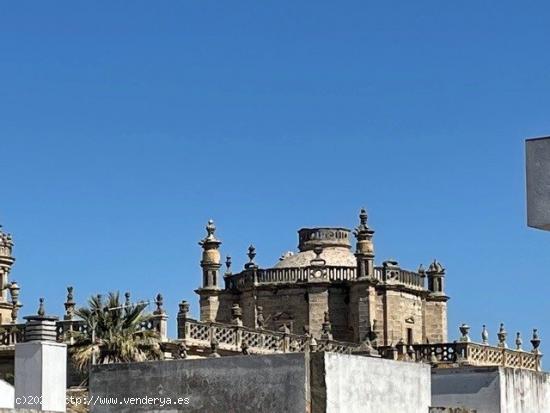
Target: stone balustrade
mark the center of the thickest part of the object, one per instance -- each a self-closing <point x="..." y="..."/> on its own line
<point x="235" y="338"/>
<point x="10" y="334"/>
<point x="467" y="354"/>
<point x="257" y="276"/>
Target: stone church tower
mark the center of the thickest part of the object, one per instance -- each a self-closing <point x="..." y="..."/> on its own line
<point x="328" y="290"/>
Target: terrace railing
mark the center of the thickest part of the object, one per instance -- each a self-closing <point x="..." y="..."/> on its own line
<point x="258" y="276"/>
<point x="468" y="354"/>
<point x="235" y="338"/>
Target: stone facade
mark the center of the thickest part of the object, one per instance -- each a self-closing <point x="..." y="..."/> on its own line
<point x="326" y="288"/>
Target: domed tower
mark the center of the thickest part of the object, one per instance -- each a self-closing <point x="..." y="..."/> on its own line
<point x="6" y="262"/>
<point x="210" y="264"/>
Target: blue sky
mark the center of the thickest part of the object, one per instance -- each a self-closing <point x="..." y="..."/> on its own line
<point x="125" y="127"/>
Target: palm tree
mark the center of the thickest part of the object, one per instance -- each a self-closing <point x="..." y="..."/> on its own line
<point x="119" y="335"/>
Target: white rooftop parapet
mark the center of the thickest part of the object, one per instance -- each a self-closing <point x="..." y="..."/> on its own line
<point x="537" y="154"/>
<point x="40" y="366"/>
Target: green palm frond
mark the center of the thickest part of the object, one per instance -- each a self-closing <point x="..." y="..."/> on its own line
<point x="119" y="336"/>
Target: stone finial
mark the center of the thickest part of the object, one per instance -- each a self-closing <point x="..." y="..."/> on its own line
<point x="326" y="328"/>
<point x="210" y="231"/>
<point x="16" y="305"/>
<point x="364" y="248"/>
<point x="41" y="310"/>
<point x="535" y="341"/>
<point x="251" y="255"/>
<point x="519" y="341"/>
<point x="214" y="345"/>
<point x="260" y="321"/>
<point x="245" y="348"/>
<point x="237" y="314"/>
<point x="228" y="265"/>
<point x="411" y="353"/>
<point x="484" y="336"/>
<point x="502" y="334"/>
<point x="69" y="304"/>
<point x="372" y="334"/>
<point x="421" y="270"/>
<point x="465" y="330"/>
<point x="159" y="302"/>
<point x="183" y="309"/>
<point x="312" y="345"/>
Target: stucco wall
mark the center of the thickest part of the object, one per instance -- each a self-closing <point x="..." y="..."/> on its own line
<point x="275" y="383"/>
<point x="6" y="394"/>
<point x="524" y="391"/>
<point x="352" y="384"/>
<point x="471" y="388"/>
<point x="492" y="389"/>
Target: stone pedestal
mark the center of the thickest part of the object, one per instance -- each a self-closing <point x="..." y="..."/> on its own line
<point x="41" y="375"/>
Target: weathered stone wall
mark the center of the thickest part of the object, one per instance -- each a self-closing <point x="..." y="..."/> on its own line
<point x="359" y="311"/>
<point x="317" y="306"/>
<point x="338" y="304"/>
<point x="226" y="300"/>
<point x="353" y="384"/>
<point x="403" y="311"/>
<point x="263" y="384"/>
<point x="492" y="389"/>
<point x="279" y="303"/>
<point x="435" y="321"/>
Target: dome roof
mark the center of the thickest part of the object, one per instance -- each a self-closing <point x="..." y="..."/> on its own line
<point x="334" y="256"/>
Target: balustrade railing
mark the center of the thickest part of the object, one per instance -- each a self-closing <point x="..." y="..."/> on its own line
<point x="468" y="354"/>
<point x="234" y="338"/>
<point x="258" y="276"/>
<point x="10" y="334"/>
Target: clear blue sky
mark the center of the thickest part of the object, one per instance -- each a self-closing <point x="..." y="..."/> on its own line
<point x="125" y="126"/>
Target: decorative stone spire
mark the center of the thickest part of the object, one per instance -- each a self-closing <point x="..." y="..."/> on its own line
<point x="182" y="318"/>
<point x="436" y="276"/>
<point x="41" y="310"/>
<point x="69" y="305"/>
<point x="484" y="336"/>
<point x="211" y="258"/>
<point x="159" y="302"/>
<point x="40" y="327"/>
<point x="16" y="305"/>
<point x="228" y="265"/>
<point x="127" y="302"/>
<point x="6" y="262"/>
<point x="502" y="334"/>
<point x="251" y="255"/>
<point x="364" y="250"/>
<point x="519" y="341"/>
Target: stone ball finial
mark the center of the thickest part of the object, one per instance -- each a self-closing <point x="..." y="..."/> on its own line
<point x="41" y="310"/>
<point x="251" y="253"/>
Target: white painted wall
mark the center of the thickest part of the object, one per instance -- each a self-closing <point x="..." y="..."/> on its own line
<point x="371" y="385"/>
<point x="492" y="389"/>
<point x="477" y="389"/>
<point x="523" y="391"/>
<point x="41" y="371"/>
<point x="6" y="394"/>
